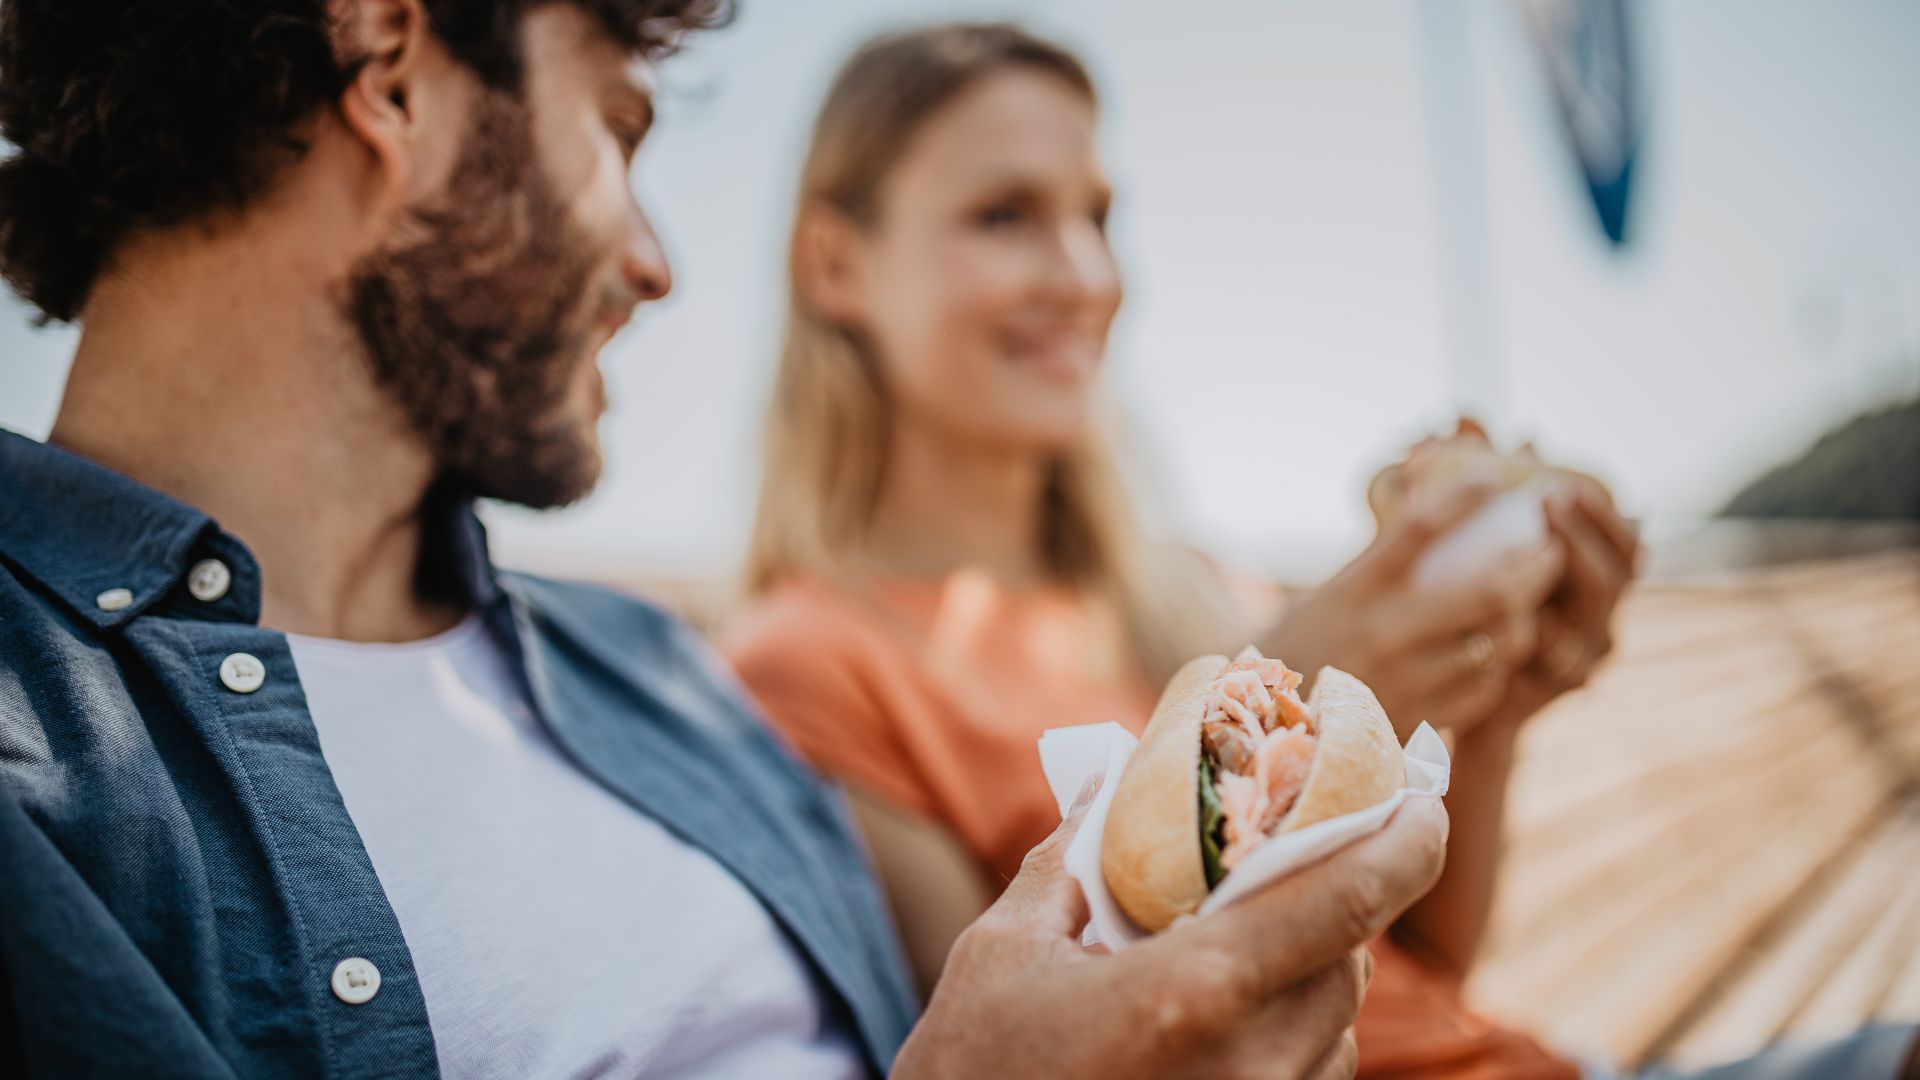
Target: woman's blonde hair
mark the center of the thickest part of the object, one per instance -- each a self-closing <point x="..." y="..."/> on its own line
<point x="827" y="430"/>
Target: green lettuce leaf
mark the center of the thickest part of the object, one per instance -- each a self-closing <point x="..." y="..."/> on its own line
<point x="1212" y="825"/>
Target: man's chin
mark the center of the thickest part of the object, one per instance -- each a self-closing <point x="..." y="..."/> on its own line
<point x="544" y="477"/>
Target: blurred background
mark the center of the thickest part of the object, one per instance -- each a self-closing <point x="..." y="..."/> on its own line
<point x="1369" y="213"/>
<point x="1680" y="248"/>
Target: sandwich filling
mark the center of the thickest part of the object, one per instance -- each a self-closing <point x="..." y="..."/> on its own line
<point x="1257" y="745"/>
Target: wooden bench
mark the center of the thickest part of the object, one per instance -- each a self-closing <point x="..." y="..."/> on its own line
<point x="1717" y="843"/>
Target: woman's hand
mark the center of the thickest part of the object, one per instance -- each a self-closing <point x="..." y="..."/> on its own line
<point x="1575" y="623"/>
<point x="1444" y="656"/>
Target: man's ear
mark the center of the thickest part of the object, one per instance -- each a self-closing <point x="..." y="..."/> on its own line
<point x="830" y="256"/>
<point x="382" y="104"/>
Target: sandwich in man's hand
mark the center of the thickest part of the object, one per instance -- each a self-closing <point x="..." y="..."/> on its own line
<point x="1231" y="757"/>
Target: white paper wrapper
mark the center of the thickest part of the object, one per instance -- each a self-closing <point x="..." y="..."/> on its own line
<point x="1507" y="524"/>
<point x="1072" y="754"/>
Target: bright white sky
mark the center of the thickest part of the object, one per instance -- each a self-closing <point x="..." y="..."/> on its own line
<point x="1280" y="225"/>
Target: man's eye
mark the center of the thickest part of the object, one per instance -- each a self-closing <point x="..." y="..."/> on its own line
<point x="630" y="136"/>
<point x="1001" y="215"/>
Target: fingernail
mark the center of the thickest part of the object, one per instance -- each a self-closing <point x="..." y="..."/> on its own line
<point x="1088" y="790"/>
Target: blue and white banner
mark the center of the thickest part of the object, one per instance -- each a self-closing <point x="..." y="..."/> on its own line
<point x="1584" y="47"/>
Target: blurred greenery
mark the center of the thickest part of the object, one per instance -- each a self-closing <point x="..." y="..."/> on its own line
<point x="1867" y="469"/>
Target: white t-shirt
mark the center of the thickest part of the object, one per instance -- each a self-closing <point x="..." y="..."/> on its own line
<point x="557" y="931"/>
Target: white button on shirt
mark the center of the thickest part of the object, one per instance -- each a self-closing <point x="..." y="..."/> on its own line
<point x="243" y="673"/>
<point x="355" y="980"/>
<point x="209" y="580"/>
<point x="555" y="930"/>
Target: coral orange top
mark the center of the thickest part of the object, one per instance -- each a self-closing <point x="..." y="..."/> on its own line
<point x="932" y="696"/>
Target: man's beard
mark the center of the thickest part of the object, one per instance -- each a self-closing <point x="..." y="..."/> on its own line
<point x="476" y="323"/>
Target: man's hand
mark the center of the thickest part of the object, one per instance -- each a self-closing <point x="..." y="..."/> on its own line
<point x="1267" y="988"/>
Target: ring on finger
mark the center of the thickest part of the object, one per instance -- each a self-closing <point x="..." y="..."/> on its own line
<point x="1477" y="654"/>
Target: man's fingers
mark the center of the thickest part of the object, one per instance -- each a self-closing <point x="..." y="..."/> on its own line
<point x="1301" y="1032"/>
<point x="1340" y="1063"/>
<point x="1308" y="921"/>
<point x="1041" y="897"/>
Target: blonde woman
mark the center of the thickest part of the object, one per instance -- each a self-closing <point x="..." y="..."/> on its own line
<point x="944" y="565"/>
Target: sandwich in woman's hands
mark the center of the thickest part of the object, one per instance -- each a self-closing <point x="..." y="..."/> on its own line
<point x="1231" y="757"/>
<point x="1510" y="521"/>
<point x="1438" y="465"/>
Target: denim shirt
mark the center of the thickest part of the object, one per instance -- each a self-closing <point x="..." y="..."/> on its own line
<point x="178" y="875"/>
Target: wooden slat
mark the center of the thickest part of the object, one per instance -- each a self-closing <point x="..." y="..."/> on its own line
<point x="1699" y="933"/>
<point x="1648" y="841"/>
<point x="1785" y="972"/>
<point x="1902" y="1003"/>
<point x="1787" y="823"/>
<point x="1561" y="796"/>
<point x="1856" y="988"/>
<point x="1640" y="694"/>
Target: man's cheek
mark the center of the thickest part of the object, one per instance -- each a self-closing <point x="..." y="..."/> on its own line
<point x="577" y="164"/>
<point x="603" y="211"/>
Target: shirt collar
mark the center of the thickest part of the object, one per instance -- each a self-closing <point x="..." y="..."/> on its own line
<point x="84" y="532"/>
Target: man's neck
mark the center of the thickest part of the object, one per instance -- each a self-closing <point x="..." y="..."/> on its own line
<point x="219" y="372"/>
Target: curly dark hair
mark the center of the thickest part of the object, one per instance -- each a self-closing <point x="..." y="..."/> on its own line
<point x="132" y="114"/>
